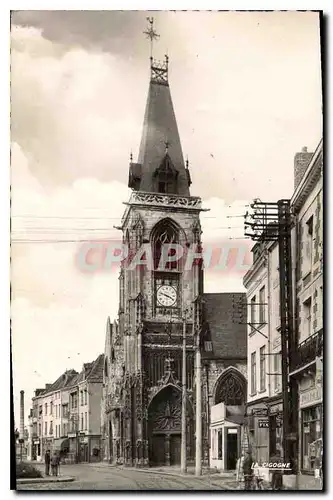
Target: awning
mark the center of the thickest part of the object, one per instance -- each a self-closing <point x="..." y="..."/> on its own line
<point x="61" y="444"/>
<point x="235" y="414"/>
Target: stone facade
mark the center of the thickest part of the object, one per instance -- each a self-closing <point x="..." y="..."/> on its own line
<point x="66" y="415"/>
<point x="142" y="398"/>
<point x="305" y="368"/>
<point x="307" y="204"/>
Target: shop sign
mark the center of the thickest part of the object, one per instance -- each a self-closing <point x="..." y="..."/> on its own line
<point x="260" y="412"/>
<point x="263" y="424"/>
<point x="310" y="397"/>
<point x="36" y="441"/>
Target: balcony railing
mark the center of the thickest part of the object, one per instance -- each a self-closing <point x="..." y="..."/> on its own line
<point x="307" y="351"/>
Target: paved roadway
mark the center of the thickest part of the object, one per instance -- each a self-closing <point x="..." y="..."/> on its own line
<point x="103" y="477"/>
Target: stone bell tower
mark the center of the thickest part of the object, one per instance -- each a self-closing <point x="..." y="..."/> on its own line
<point x="158" y="290"/>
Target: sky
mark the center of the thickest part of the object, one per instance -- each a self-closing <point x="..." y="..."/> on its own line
<point x="246" y="88"/>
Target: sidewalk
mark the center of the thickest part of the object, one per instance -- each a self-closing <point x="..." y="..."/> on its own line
<point x="50" y="479"/>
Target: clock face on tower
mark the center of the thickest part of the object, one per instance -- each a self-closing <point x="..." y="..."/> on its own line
<point x="166" y="295"/>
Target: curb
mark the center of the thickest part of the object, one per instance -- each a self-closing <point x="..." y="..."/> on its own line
<point x="36" y="480"/>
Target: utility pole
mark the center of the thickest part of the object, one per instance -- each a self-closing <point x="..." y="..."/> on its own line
<point x="198" y="420"/>
<point x="183" y="464"/>
<point x="272" y="222"/>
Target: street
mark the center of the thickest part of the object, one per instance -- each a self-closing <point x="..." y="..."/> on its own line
<point x="104" y="477"/>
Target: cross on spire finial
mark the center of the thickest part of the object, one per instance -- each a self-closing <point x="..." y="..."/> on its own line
<point x="151" y="34"/>
<point x="167" y="144"/>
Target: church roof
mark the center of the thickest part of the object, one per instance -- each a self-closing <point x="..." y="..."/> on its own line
<point x="160" y="136"/>
<point x="226" y="325"/>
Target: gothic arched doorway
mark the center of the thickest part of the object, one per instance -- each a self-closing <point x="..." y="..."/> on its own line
<point x="164" y="427"/>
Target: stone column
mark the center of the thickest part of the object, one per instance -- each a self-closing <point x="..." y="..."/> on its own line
<point x="114" y="436"/>
<point x="139" y="419"/>
<point x="183" y="466"/>
<point x="128" y="429"/>
<point x="198" y="420"/>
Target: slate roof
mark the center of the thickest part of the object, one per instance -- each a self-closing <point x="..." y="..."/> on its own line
<point x="159" y="126"/>
<point x="96" y="371"/>
<point x="222" y="317"/>
<point x="93" y="372"/>
<point x="66" y="379"/>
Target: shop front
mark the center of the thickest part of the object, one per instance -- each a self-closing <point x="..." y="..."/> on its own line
<point x="276" y="429"/>
<point x="83" y="448"/>
<point x="311" y="419"/>
<point x="36" y="450"/>
<point x="225" y="431"/>
<point x="72" y="455"/>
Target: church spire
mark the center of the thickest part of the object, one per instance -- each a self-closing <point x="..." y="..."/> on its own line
<point x="160" y="167"/>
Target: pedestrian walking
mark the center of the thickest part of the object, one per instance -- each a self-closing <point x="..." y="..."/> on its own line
<point x="247" y="470"/>
<point x="55" y="463"/>
<point x="47" y="459"/>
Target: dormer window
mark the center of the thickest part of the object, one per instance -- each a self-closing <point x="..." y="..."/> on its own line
<point x="166" y="177"/>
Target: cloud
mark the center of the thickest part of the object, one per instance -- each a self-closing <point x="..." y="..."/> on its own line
<point x="70" y="110"/>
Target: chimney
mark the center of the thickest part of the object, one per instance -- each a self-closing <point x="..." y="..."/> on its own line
<point x="301" y="163"/>
<point x="22" y="414"/>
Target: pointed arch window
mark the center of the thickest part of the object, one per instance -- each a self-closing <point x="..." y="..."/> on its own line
<point x="166" y="233"/>
<point x="166" y="177"/>
<point x="231" y="389"/>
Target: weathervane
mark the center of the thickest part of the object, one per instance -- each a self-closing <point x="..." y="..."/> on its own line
<point x="151" y="34"/>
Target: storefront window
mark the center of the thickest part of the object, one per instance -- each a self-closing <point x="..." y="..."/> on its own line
<point x="311" y="433"/>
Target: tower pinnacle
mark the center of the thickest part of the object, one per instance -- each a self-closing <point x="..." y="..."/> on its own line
<point x="151" y="34"/>
<point x="158" y="69"/>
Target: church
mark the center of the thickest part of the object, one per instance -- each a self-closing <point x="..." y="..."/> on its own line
<point x="159" y="307"/>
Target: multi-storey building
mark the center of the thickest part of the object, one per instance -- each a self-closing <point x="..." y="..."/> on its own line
<point x="264" y="407"/>
<point x="306" y="367"/>
<point x="262" y="282"/>
<point x="66" y="415"/>
<point x="141" y="411"/>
